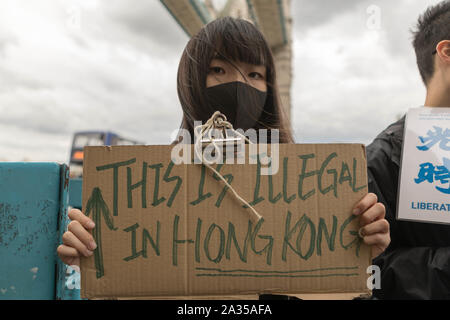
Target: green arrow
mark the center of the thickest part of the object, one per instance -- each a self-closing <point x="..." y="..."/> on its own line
<point x="99" y="208"/>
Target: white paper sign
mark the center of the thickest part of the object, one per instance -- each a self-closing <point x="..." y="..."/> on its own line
<point x="424" y="191"/>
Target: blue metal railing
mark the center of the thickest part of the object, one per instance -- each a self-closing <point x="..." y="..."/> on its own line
<point x="34" y="198"/>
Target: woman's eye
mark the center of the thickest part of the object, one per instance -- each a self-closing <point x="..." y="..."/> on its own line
<point x="217" y="70"/>
<point x="256" y="75"/>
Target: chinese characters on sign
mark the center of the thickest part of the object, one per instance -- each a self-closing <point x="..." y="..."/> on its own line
<point x="434" y="172"/>
<point x="425" y="171"/>
<point x="438" y="136"/>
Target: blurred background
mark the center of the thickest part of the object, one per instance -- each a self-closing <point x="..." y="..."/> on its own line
<point x="347" y="68"/>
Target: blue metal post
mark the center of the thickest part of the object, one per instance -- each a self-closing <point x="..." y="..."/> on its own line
<point x="29" y="211"/>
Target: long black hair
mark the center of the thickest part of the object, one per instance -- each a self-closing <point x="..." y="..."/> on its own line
<point x="232" y="40"/>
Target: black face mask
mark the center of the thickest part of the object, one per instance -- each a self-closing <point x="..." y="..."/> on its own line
<point x="241" y="103"/>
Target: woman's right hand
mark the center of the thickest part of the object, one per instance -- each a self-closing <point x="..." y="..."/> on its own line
<point x="77" y="241"/>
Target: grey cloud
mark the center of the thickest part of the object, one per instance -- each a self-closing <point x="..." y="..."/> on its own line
<point x="80" y="41"/>
<point x="10" y="80"/>
<point x="149" y="20"/>
<point x="52" y="96"/>
<point x="119" y="73"/>
<point x="309" y="14"/>
<point x="6" y="39"/>
<point x="146" y="26"/>
<point x="398" y="24"/>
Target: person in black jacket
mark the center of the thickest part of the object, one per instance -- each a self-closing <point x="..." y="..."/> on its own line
<point x="416" y="264"/>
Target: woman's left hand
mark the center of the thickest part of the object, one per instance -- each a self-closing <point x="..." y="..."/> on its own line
<point x="374" y="227"/>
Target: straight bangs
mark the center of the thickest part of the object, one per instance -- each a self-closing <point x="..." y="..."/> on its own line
<point x="238" y="40"/>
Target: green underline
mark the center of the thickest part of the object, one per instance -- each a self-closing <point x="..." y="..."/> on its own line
<point x="275" y="271"/>
<point x="277" y="275"/>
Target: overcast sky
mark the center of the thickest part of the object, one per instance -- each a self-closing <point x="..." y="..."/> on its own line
<point x="72" y="65"/>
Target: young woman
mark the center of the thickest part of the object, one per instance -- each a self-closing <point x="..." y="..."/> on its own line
<point x="228" y="66"/>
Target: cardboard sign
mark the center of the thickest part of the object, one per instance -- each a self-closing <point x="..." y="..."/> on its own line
<point x="167" y="230"/>
<point x="425" y="171"/>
